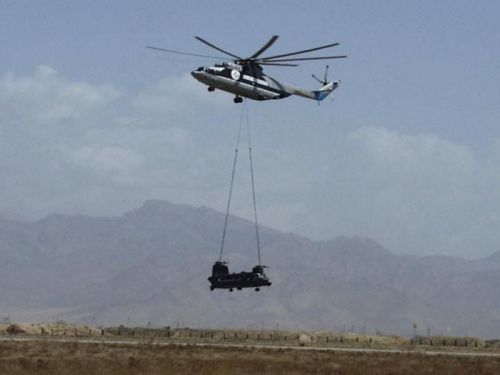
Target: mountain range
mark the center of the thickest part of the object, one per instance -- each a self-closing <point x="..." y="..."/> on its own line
<point x="151" y="265"/>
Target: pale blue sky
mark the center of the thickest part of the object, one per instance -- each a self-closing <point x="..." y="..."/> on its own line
<point x="414" y="65"/>
<point x="419" y="104"/>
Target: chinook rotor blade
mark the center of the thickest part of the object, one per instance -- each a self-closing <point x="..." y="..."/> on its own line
<point x="217" y="48"/>
<point x="299" y="52"/>
<point x="185" y="53"/>
<point x="265" y="46"/>
<point x="305" y="58"/>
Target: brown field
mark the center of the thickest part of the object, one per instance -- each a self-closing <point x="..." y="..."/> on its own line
<point x="79" y="358"/>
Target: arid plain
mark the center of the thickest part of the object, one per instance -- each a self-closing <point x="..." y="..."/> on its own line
<point x="78" y="350"/>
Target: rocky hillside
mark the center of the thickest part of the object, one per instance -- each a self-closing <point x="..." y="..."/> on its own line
<point x="152" y="264"/>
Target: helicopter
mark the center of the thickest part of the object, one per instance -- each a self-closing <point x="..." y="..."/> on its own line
<point x="244" y="77"/>
<point x="222" y="279"/>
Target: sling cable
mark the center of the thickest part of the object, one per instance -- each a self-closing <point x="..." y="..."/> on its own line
<point x="221" y="278"/>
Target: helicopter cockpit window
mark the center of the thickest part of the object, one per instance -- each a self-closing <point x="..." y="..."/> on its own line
<point x="213" y="69"/>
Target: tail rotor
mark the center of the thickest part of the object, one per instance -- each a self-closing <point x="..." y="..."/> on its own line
<point x="324" y="81"/>
<point x="326" y="87"/>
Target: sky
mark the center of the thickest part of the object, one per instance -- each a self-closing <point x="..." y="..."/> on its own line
<point x="407" y="152"/>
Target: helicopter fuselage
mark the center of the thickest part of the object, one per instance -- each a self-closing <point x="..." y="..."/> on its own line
<point x="241" y="81"/>
<point x="244" y="78"/>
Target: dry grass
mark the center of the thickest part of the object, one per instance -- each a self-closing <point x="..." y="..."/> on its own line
<point x="78" y="358"/>
<point x="53" y="329"/>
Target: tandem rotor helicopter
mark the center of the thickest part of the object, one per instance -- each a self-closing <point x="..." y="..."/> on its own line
<point x="244" y="77"/>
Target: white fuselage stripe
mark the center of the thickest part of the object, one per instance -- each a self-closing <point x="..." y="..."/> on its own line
<point x="237" y="87"/>
<point x="252" y="79"/>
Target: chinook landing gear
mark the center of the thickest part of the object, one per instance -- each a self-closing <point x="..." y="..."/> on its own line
<point x="238" y="99"/>
<point x="210" y="88"/>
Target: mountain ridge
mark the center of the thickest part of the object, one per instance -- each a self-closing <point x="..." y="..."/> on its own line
<point x="152" y="264"/>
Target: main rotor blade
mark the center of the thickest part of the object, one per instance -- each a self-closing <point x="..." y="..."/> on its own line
<point x="217" y="48"/>
<point x="265" y="46"/>
<point x="303" y="51"/>
<point x="303" y="59"/>
<point x="185" y="53"/>
<point x="277" y="64"/>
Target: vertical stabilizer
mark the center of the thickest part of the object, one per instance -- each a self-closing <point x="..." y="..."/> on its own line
<point x="326" y="90"/>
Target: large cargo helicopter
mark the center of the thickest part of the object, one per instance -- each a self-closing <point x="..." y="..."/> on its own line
<point x="244" y="77"/>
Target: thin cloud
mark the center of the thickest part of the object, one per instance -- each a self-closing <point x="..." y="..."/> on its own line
<point x="75" y="147"/>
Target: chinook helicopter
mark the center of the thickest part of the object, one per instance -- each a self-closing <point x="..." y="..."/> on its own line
<point x="244" y="77"/>
<point x="222" y="279"/>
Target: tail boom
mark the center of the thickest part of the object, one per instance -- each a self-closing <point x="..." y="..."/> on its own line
<point x="318" y="95"/>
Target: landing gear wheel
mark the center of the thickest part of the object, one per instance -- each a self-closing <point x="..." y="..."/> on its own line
<point x="212" y="288"/>
<point x="210" y="88"/>
<point x="231" y="289"/>
<point x="257" y="289"/>
<point x="238" y="99"/>
<point x="239" y="288"/>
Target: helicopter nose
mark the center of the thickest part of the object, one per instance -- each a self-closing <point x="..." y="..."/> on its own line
<point x="196" y="74"/>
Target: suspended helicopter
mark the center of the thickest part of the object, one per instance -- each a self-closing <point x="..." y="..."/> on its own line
<point x="222" y="279"/>
<point x="244" y="77"/>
